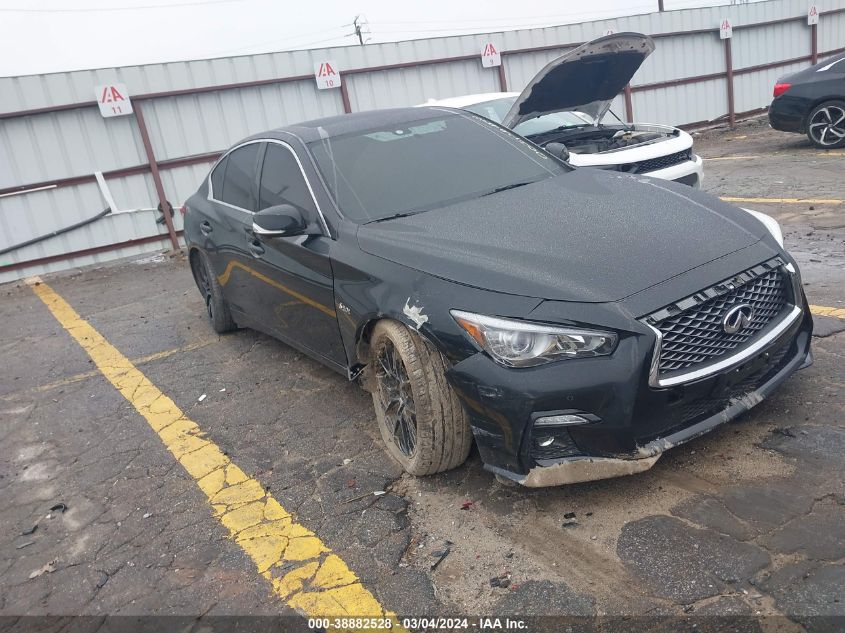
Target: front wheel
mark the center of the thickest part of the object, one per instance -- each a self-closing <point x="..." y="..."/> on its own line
<point x="421" y="420"/>
<point x="826" y="125"/>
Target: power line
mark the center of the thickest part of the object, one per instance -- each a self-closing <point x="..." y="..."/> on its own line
<point x="112" y="9"/>
<point x="284" y="40"/>
<point x="484" y="26"/>
<point x="430" y="26"/>
<point x="359" y="32"/>
<point x="508" y="20"/>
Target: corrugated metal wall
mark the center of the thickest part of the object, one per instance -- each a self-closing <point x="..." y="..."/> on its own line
<point x="43" y="147"/>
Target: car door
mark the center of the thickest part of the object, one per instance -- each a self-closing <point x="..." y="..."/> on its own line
<point x="233" y="195"/>
<point x="294" y="273"/>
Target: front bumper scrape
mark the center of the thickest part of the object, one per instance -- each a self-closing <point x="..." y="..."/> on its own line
<point x="575" y="470"/>
<point x="571" y="470"/>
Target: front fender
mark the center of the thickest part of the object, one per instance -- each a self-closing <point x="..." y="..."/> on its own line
<point x="371" y="289"/>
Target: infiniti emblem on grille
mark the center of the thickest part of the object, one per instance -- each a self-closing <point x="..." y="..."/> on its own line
<point x="737" y="318"/>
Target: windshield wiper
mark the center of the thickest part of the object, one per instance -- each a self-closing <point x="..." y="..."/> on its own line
<point x="506" y="187"/>
<point x="403" y="214"/>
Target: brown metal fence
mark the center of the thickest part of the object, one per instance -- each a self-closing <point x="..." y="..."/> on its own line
<point x="154" y="167"/>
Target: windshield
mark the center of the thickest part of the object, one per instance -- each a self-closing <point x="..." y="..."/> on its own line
<point x="496" y="110"/>
<point x="424" y="164"/>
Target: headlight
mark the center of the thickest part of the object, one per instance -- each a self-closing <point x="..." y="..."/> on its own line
<point x="770" y="223"/>
<point x="521" y="344"/>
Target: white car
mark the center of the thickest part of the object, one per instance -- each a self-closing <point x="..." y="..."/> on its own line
<point x="567" y="102"/>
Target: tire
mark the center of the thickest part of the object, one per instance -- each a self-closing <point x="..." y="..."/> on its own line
<point x="441" y="432"/>
<point x="825" y="124"/>
<point x="212" y="294"/>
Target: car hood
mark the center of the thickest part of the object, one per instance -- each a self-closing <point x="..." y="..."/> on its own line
<point x="587" y="235"/>
<point x="586" y="79"/>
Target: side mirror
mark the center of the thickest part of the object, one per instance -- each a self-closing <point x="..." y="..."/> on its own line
<point x="283" y="219"/>
<point x="559" y="150"/>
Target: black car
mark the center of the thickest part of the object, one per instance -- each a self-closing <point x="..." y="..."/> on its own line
<point x="574" y="323"/>
<point x="812" y="102"/>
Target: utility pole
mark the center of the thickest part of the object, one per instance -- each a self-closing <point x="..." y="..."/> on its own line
<point x="357" y="26"/>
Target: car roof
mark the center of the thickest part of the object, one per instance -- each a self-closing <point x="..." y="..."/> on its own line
<point x="831" y="66"/>
<point x="313" y="130"/>
<point x="837" y="62"/>
<point x="468" y="100"/>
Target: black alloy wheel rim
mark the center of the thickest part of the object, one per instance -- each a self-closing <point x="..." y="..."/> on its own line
<point x="204" y="284"/>
<point x="828" y="125"/>
<point x="397" y="400"/>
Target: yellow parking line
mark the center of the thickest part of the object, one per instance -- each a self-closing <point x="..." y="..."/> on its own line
<point x="302" y="570"/>
<point x="784" y="200"/>
<point x="839" y="313"/>
<point x="138" y="361"/>
<point x="769" y="155"/>
<point x="732" y="158"/>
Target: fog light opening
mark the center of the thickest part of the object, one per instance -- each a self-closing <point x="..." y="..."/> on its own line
<point x="550" y="437"/>
<point x="566" y="419"/>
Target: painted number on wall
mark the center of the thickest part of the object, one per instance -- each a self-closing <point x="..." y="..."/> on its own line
<point x="327" y="75"/>
<point x="490" y="57"/>
<point x="113" y="100"/>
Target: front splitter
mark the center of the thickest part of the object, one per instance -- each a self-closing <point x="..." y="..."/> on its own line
<point x="577" y="470"/>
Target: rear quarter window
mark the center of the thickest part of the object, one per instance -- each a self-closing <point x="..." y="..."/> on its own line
<point x="217" y="179"/>
<point x="238" y="182"/>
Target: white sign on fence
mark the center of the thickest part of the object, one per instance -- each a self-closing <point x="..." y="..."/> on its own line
<point x="813" y="15"/>
<point x="113" y="100"/>
<point x="327" y="75"/>
<point x="490" y="56"/>
<point x="726" y="31"/>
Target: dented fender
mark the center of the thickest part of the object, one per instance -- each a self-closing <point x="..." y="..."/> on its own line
<point x="418" y="300"/>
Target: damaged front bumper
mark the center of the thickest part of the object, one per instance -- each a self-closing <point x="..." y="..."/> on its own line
<point x="637" y="423"/>
<point x="575" y="470"/>
<point x="579" y="469"/>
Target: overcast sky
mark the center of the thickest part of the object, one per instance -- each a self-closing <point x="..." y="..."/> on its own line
<point x="40" y="36"/>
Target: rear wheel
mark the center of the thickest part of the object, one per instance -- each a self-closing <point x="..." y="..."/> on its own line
<point x="212" y="294"/>
<point x="421" y="420"/>
<point x="826" y="125"/>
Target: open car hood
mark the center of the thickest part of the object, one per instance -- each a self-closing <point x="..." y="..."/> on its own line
<point x="586" y="79"/>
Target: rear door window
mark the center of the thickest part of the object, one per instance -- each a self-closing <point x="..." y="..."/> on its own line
<point x="240" y="177"/>
<point x="282" y="182"/>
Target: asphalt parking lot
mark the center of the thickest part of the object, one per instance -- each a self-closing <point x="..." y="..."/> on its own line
<point x="748" y="520"/>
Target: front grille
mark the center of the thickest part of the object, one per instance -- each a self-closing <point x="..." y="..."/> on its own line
<point x="696" y="334"/>
<point x="661" y="162"/>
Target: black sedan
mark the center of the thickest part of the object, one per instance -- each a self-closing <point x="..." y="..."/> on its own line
<point x="574" y="323"/>
<point x="812" y="102"/>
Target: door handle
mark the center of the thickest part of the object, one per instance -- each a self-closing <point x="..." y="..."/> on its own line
<point x="206" y="228"/>
<point x="256" y="249"/>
